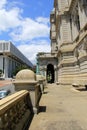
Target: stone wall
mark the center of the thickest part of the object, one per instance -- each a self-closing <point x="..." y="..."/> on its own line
<point x="71" y="39"/>
<point x="68" y="34"/>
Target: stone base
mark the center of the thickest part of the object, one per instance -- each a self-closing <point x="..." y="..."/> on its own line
<point x="35" y="110"/>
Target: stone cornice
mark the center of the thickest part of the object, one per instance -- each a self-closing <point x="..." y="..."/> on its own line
<point x="69" y="48"/>
<point x="67" y="62"/>
<point x="80" y="39"/>
<point x="73" y="60"/>
<point x="25" y="82"/>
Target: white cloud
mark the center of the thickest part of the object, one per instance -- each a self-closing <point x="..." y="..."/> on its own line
<point x="30" y="29"/>
<point x="43" y="20"/>
<point x="9" y="19"/>
<point x="32" y="49"/>
<point x="23" y="29"/>
<point x="2" y="3"/>
<point x="20" y="28"/>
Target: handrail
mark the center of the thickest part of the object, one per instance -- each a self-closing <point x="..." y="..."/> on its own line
<point x="14" y="111"/>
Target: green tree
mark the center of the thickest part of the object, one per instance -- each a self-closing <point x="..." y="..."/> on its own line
<point x="18" y="68"/>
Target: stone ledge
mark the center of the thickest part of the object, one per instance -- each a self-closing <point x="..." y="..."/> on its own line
<point x="7" y="102"/>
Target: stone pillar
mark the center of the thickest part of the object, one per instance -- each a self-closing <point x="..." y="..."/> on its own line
<point x="6" y="69"/>
<point x="65" y="29"/>
<point x="40" y="79"/>
<point x="26" y="80"/>
<point x="45" y="71"/>
<point x="56" y="73"/>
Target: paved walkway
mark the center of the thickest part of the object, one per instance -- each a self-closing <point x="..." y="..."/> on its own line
<point x="61" y="108"/>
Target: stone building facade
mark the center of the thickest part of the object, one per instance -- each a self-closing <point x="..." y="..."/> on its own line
<point x="47" y="64"/>
<point x="68" y="34"/>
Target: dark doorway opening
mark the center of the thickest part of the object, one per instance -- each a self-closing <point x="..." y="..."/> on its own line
<point x="50" y="73"/>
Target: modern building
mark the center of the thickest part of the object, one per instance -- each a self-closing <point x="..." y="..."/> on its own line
<point x="68" y="34"/>
<point x="10" y="58"/>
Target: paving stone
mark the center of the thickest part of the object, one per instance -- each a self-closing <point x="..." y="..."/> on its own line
<point x="61" y="108"/>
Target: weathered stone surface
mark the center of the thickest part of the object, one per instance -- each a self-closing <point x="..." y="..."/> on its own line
<point x="15" y="111"/>
<point x="26" y="80"/>
<point x="68" y="34"/>
<point x="26" y="74"/>
<point x="61" y="108"/>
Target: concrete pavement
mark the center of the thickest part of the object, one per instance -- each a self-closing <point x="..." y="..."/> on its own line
<point x="61" y="108"/>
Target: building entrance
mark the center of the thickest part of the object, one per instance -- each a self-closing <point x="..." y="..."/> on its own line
<point x="50" y="73"/>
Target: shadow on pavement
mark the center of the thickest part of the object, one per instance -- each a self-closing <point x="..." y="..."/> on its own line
<point x="82" y="89"/>
<point x="42" y="109"/>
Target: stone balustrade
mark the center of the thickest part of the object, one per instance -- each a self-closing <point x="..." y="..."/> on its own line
<point x="41" y="80"/>
<point x="26" y="80"/>
<point x="34" y="90"/>
<point x="15" y="111"/>
<point x="44" y="81"/>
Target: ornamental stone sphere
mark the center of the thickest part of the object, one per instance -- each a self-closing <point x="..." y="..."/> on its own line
<point x="26" y="74"/>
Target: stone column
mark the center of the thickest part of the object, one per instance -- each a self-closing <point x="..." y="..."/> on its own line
<point x="65" y="29"/>
<point x="45" y="71"/>
<point x="26" y="80"/>
<point x="55" y="73"/>
<point x="6" y="66"/>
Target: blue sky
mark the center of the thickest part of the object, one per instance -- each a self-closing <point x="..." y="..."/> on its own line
<point x="26" y="24"/>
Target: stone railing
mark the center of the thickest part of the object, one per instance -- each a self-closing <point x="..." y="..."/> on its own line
<point x="41" y="81"/>
<point x="15" y="111"/>
<point x="26" y="80"/>
<point x="34" y="89"/>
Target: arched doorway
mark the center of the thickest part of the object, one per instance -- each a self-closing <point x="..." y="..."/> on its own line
<point x="50" y="73"/>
